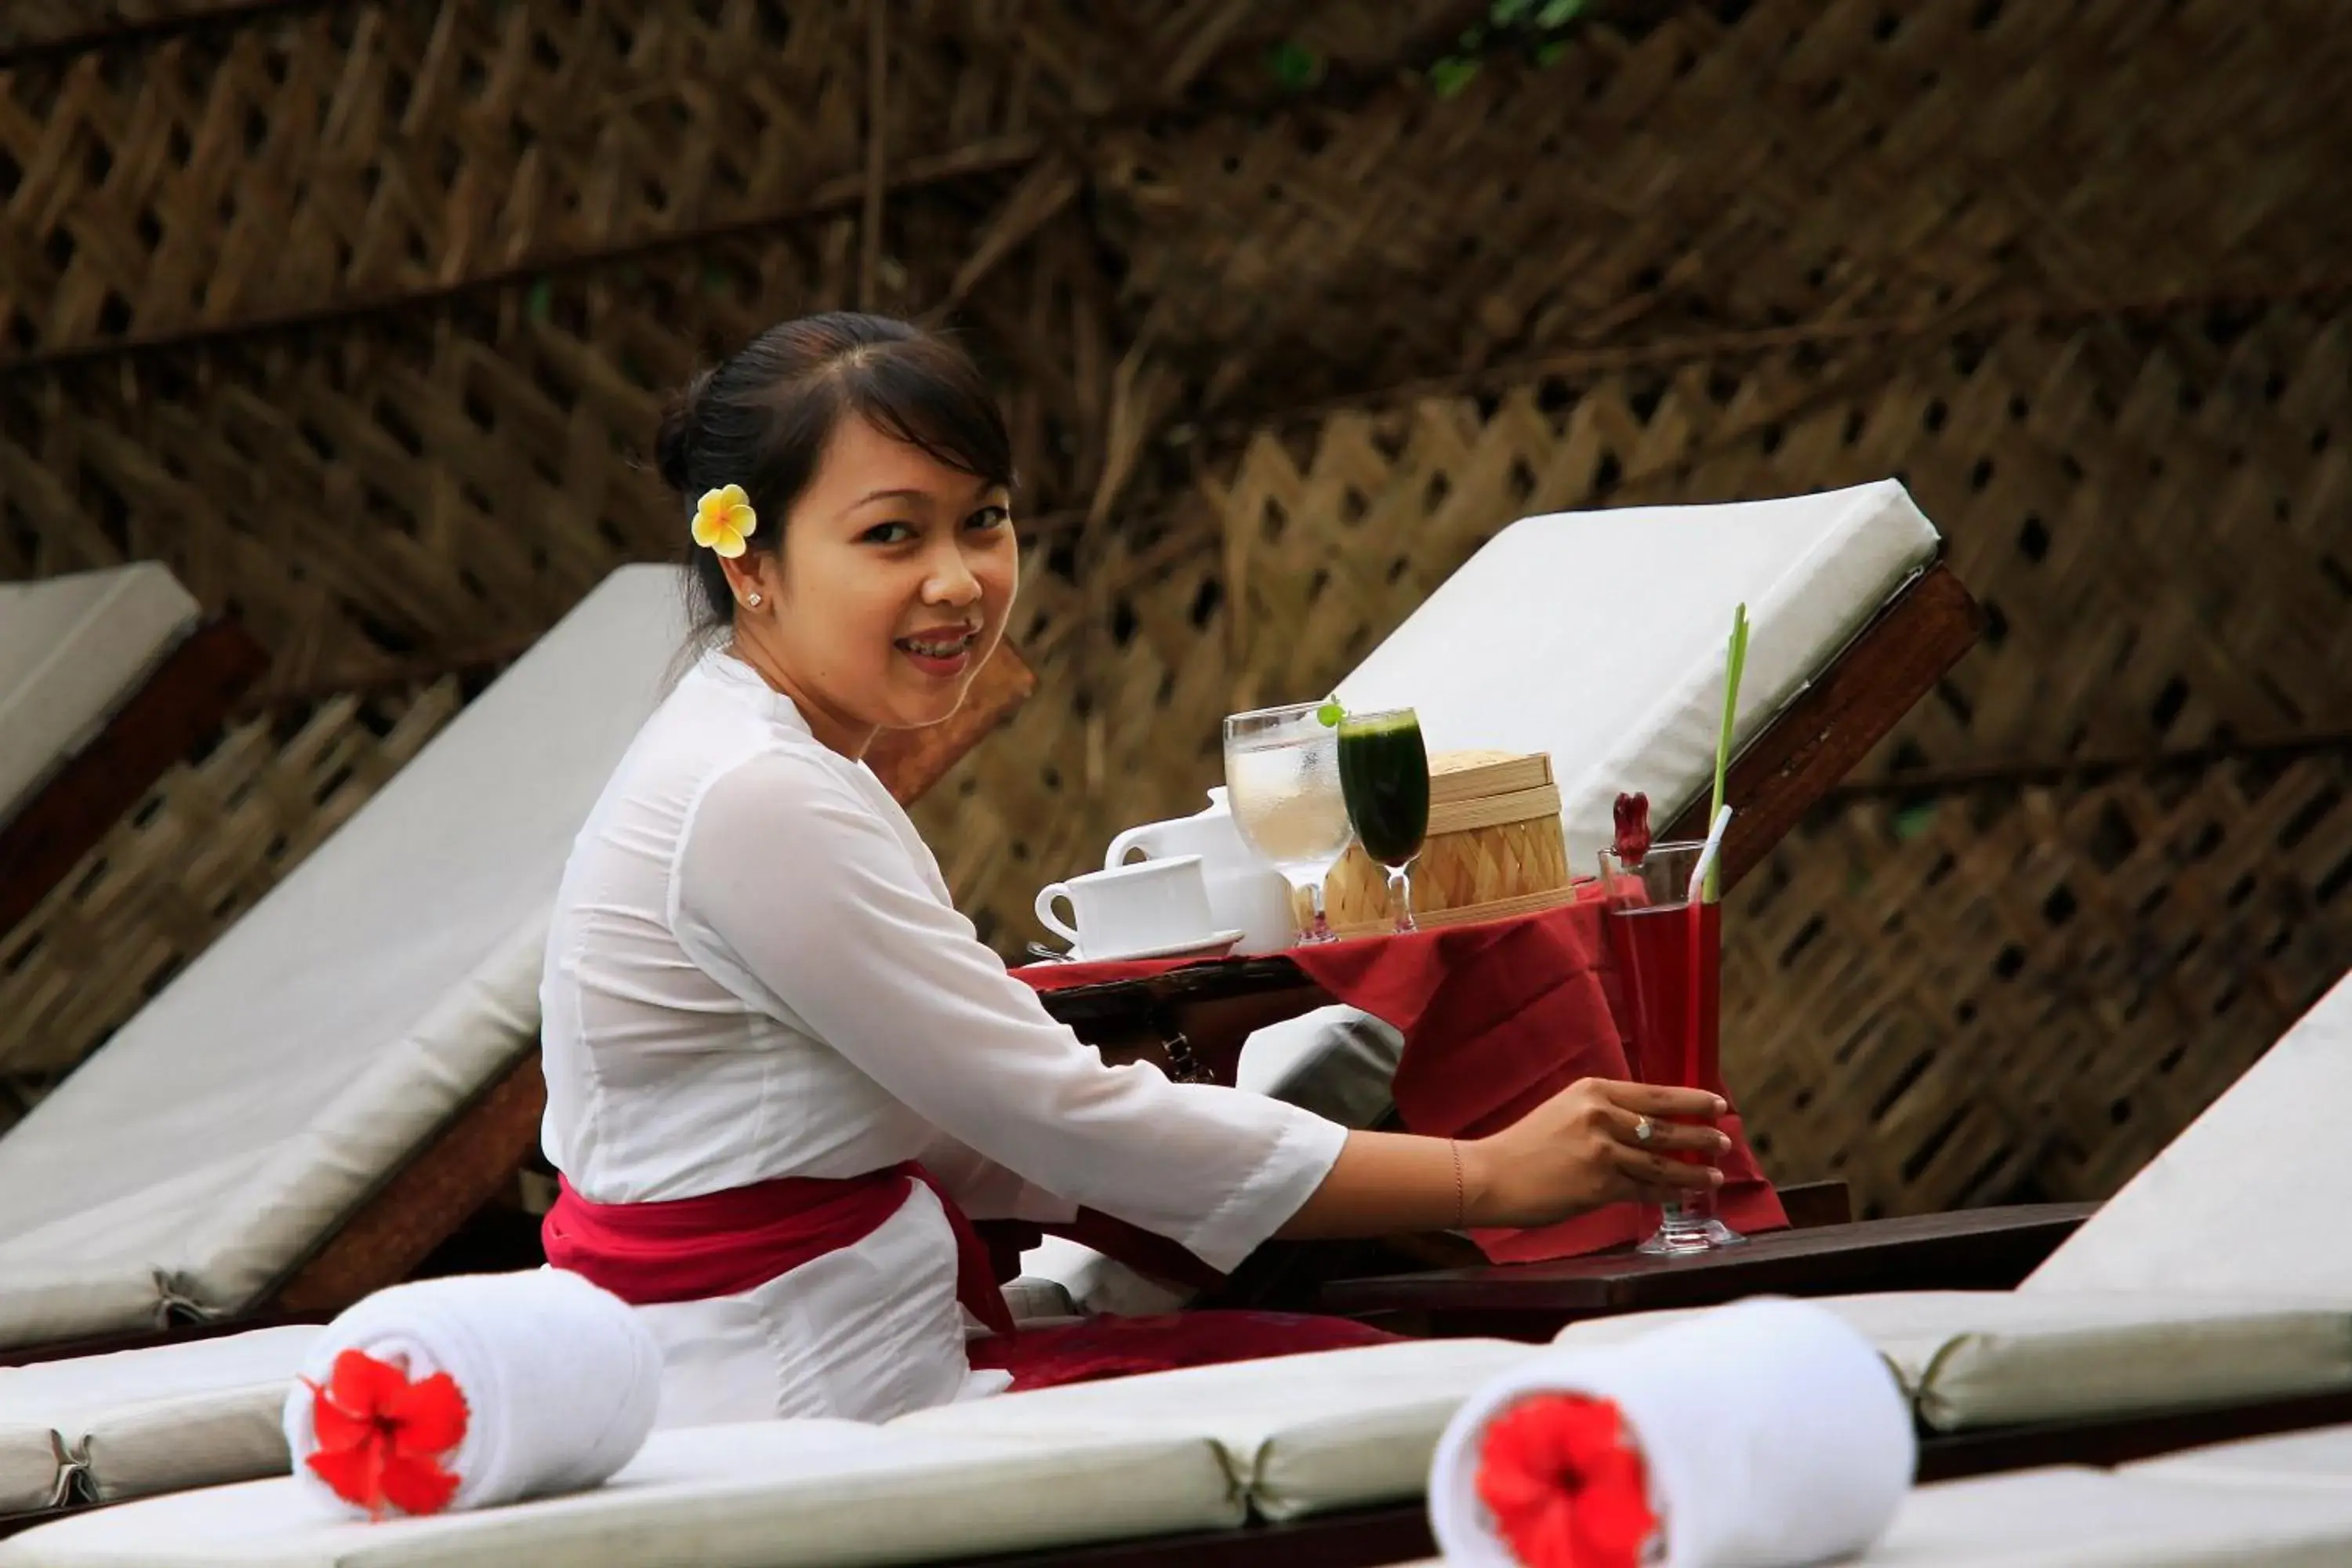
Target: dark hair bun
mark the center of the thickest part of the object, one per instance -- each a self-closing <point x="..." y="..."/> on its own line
<point x="674" y="441"/>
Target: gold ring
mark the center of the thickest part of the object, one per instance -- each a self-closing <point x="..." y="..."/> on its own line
<point x="1641" y="1131"/>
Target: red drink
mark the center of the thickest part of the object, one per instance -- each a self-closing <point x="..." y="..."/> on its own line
<point x="1669" y="958"/>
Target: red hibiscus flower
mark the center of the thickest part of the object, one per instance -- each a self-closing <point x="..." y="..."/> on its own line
<point x="381" y="1438"/>
<point x="1564" y="1487"/>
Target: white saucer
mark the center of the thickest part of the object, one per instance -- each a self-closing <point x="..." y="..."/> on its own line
<point x="1214" y="946"/>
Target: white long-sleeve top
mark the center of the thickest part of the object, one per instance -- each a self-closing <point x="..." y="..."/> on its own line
<point x="754" y="971"/>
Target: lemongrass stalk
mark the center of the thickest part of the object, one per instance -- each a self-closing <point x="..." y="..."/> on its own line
<point x="1735" y="664"/>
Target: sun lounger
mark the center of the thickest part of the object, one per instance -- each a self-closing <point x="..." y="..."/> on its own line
<point x="1978" y="1359"/>
<point x="1171" y="1467"/>
<point x="813" y="1493"/>
<point x="105" y="1427"/>
<point x="2319" y="1460"/>
<point x="195" y="1160"/>
<point x="107" y="678"/>
<point x="2083" y="1518"/>
<point x="1297" y="1437"/>
<point x="1600" y="638"/>
<point x="1581" y="653"/>
<point x="2252" y="1193"/>
<point x="2089" y="1519"/>
<point x="71" y="649"/>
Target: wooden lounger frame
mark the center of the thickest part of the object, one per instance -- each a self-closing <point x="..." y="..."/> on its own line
<point x="184" y="700"/>
<point x="1970" y="1249"/>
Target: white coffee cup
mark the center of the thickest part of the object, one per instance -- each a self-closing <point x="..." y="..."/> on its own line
<point x="1152" y="906"/>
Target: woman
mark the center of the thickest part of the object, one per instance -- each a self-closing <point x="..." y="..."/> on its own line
<point x="781" y="1070"/>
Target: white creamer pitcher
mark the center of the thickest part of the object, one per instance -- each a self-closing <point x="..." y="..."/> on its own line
<point x="1245" y="894"/>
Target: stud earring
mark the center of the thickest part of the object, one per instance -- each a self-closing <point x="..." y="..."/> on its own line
<point x="754" y="601"/>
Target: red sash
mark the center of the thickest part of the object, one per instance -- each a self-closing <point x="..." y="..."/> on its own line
<point x="722" y="1244"/>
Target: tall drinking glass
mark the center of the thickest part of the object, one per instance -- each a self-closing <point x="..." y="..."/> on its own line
<point x="1282" y="781"/>
<point x="1669" y="955"/>
<point x="1384" y="776"/>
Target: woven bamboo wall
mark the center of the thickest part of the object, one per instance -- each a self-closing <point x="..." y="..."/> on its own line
<point x="357" y="315"/>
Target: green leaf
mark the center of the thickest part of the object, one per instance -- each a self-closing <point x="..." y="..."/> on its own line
<point x="1294" y="65"/>
<point x="541" y="301"/>
<point x="1559" y="13"/>
<point x="1330" y="714"/>
<point x="1505" y="13"/>
<point x="1449" y="76"/>
<point x="1551" y="54"/>
<point x="1915" y="819"/>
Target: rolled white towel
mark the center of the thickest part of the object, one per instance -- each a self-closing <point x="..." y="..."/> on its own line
<point x="1763" y="1434"/>
<point x="472" y="1391"/>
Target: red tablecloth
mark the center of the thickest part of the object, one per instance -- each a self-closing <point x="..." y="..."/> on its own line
<point x="1495" y="1019"/>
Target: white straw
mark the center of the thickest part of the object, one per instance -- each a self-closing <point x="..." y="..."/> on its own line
<point x="1706" y="855"/>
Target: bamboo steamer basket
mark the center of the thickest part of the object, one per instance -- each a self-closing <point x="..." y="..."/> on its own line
<point x="1495" y="848"/>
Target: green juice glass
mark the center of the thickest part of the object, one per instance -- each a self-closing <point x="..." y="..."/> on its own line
<point x="1384" y="776"/>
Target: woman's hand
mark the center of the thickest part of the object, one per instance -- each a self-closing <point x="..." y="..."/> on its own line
<point x="1572" y="1153"/>
<point x="1578" y="1150"/>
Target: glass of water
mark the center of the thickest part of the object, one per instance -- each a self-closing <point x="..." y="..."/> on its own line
<point x="1282" y="780"/>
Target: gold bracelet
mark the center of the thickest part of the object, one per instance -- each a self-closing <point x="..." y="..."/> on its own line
<point x="1461" y="1199"/>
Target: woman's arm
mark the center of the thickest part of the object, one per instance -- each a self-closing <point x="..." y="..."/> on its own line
<point x="1573" y="1152"/>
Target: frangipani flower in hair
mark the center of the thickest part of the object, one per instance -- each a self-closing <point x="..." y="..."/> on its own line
<point x="723" y="519"/>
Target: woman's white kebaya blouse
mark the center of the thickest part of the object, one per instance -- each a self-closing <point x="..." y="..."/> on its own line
<point x="755" y="971"/>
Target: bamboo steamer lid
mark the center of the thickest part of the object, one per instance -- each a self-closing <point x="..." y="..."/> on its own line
<point x="1494" y="847"/>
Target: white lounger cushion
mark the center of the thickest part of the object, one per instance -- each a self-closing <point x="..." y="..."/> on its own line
<point x="2224" y="1205"/>
<point x="72" y="650"/>
<point x="2072" y="1518"/>
<point x="32" y="1471"/>
<point x="151" y="1420"/>
<point x="1299" y="1433"/>
<point x="2320" y="1458"/>
<point x="1972" y="1359"/>
<point x="201" y="1152"/>
<point x="2092" y="1518"/>
<point x="1602" y="634"/>
<point x="777" y="1494"/>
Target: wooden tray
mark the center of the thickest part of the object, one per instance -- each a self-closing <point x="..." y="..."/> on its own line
<point x="1972" y="1249"/>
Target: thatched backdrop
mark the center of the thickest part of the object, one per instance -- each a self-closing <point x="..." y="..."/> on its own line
<point x="358" y="316"/>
